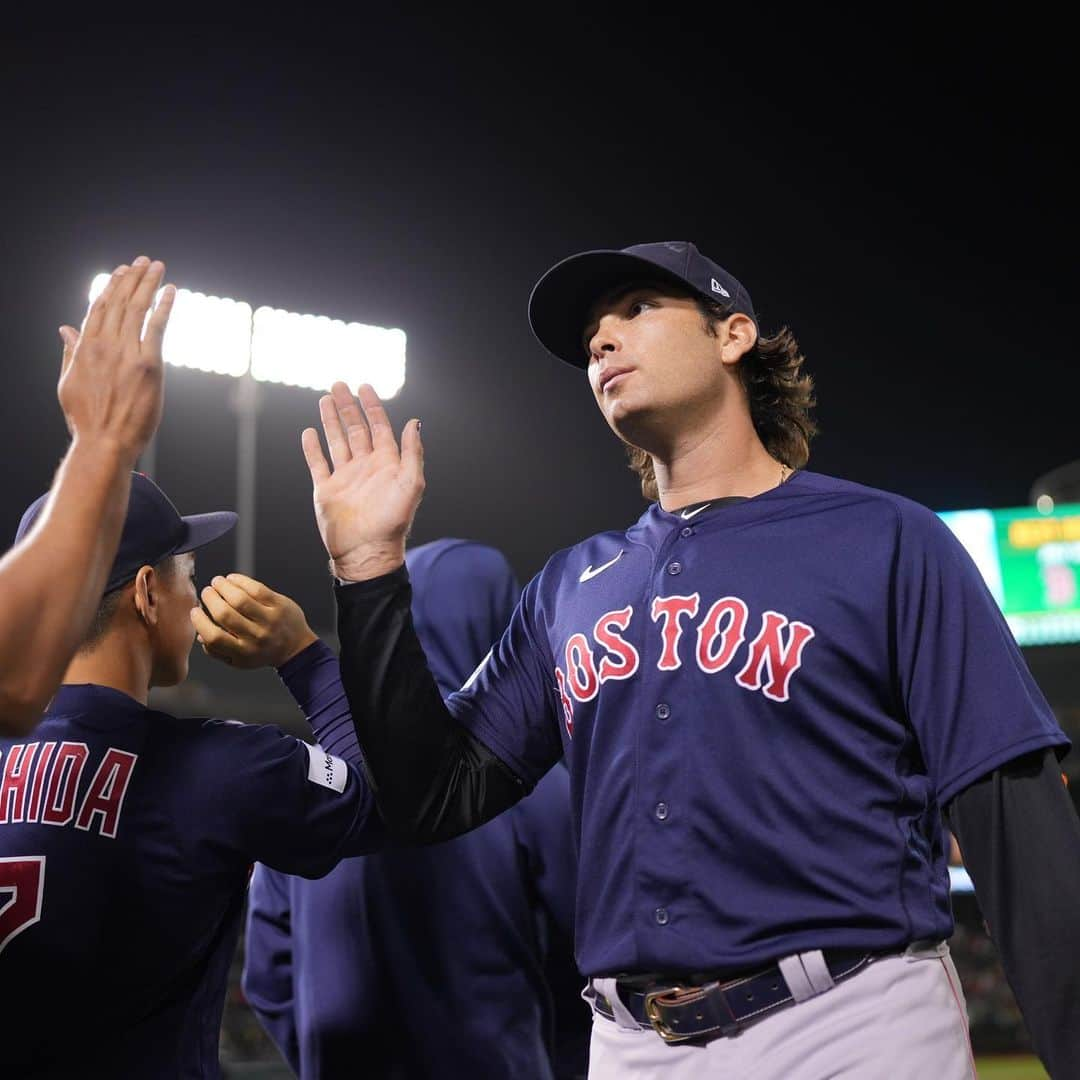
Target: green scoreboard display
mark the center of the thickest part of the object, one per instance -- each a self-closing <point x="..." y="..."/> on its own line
<point x="1031" y="562"/>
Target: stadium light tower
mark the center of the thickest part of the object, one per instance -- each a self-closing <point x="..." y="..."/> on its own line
<point x="224" y="337"/>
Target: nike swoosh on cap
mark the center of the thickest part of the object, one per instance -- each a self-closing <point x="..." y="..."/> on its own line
<point x="589" y="572"/>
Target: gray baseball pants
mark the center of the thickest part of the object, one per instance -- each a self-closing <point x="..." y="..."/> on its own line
<point x="901" y="1018"/>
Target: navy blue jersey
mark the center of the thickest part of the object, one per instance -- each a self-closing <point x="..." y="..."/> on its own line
<point x="426" y="962"/>
<point x="763" y="706"/>
<point x="126" y="842"/>
<point x="436" y="961"/>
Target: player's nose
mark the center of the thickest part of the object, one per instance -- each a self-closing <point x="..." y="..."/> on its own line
<point x="606" y="339"/>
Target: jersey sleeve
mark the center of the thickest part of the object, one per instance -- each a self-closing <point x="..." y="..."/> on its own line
<point x="439" y="770"/>
<point x="267" y="978"/>
<point x="286" y="803"/>
<point x="509" y="704"/>
<point x="962" y="679"/>
<point x="313" y="678"/>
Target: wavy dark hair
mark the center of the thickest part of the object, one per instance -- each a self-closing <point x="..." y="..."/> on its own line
<point x="779" y="393"/>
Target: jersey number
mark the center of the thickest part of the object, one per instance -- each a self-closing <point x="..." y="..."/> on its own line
<point x="22" y="885"/>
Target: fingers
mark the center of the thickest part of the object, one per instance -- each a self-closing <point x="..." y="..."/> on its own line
<point x="159" y="320"/>
<point x="313" y="455"/>
<point x="244" y="600"/>
<point x="225" y="615"/>
<point x="412" y="454"/>
<point x="356" y="426"/>
<point x="113" y="318"/>
<point x="96" y="315"/>
<point x="259" y="592"/>
<point x="216" y="642"/>
<point x="382" y="434"/>
<point x="336" y="442"/>
<point x="142" y="297"/>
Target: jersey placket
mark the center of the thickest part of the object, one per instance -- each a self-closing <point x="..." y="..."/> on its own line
<point x="665" y="737"/>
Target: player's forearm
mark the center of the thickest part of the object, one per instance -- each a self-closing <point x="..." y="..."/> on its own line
<point x="313" y="678"/>
<point x="1020" y="840"/>
<point x="432" y="779"/>
<point x="52" y="583"/>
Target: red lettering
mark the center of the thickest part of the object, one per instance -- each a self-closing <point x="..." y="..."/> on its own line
<point x="23" y="877"/>
<point x="671" y="609"/>
<point x="105" y="796"/>
<point x="567" y="704"/>
<point x="38" y="784"/>
<point x="767" y="650"/>
<point x="15" y="778"/>
<point x="581" y="668"/>
<point x="67" y="770"/>
<point x="626" y="656"/>
<point x="709" y="658"/>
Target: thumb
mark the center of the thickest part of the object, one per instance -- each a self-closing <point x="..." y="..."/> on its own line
<point x="70" y="338"/>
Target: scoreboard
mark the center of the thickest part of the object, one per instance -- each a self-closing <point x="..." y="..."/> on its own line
<point x="1030" y="561"/>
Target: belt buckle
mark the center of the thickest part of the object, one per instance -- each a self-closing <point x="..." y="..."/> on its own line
<point x="652" y="1011"/>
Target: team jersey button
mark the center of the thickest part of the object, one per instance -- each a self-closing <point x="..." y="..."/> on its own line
<point x="663" y="711"/>
<point x="661" y="916"/>
<point x="661" y="811"/>
<point x="687" y="531"/>
<point x="674" y="568"/>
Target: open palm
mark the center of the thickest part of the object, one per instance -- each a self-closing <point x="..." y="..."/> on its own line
<point x="367" y="495"/>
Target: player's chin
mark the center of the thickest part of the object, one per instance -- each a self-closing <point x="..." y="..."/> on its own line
<point x="625" y="416"/>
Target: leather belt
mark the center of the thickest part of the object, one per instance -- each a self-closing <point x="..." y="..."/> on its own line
<point x="678" y="1012"/>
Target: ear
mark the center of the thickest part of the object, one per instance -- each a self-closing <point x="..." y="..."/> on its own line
<point x="147" y="595"/>
<point x="738" y="335"/>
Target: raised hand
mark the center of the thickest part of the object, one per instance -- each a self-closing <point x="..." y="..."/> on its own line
<point x="111" y="376"/>
<point x="365" y="503"/>
<point x="250" y="625"/>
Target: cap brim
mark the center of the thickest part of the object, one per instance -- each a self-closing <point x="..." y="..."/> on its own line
<point x="561" y="299"/>
<point x="201" y="529"/>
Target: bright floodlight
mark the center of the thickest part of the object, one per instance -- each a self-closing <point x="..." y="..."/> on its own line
<point x="315" y="351"/>
<point x="209" y="333"/>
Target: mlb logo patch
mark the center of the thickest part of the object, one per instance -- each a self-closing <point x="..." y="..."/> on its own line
<point x="326" y="770"/>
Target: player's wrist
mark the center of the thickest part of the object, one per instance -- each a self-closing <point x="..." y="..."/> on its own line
<point x="296" y="646"/>
<point x="101" y="452"/>
<point x="371" y="561"/>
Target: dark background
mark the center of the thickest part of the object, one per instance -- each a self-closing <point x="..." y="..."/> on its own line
<point x="897" y="191"/>
<point x="898" y="188"/>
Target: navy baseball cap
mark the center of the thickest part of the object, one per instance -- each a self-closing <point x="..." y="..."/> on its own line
<point x="153" y="529"/>
<point x="561" y="299"/>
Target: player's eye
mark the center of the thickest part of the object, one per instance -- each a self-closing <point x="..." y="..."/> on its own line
<point x="638" y="306"/>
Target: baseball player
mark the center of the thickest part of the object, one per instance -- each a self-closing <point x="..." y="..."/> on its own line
<point x="127" y="835"/>
<point x="111" y="382"/>
<point x="444" y="958"/>
<point x="767" y="689"/>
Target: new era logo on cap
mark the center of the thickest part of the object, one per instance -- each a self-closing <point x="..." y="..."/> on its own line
<point x="718" y="288"/>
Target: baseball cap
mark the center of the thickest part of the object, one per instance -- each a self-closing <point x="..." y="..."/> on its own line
<point x="153" y="529"/>
<point x="560" y="300"/>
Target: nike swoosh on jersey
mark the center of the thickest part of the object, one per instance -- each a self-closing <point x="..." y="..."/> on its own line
<point x="690" y="513"/>
<point x="589" y="572"/>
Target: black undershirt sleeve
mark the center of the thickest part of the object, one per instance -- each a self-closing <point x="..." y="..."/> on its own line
<point x="432" y="779"/>
<point x="1020" y="839"/>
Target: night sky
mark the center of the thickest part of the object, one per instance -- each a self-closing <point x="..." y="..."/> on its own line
<point x="896" y="192"/>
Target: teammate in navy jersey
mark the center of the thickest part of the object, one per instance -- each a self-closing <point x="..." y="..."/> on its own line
<point x="127" y="835"/>
<point x="453" y="960"/>
<point x="767" y="690"/>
